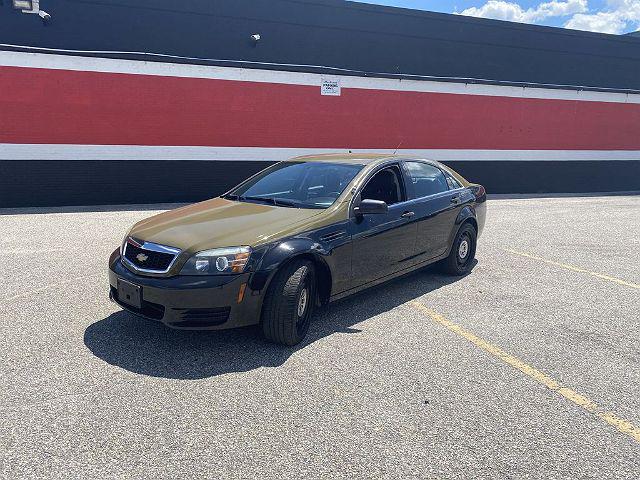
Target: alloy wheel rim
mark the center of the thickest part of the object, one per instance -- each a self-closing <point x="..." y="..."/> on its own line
<point x="302" y="302"/>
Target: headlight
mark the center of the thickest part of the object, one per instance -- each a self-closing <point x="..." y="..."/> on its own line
<point x="218" y="261"/>
<point x="123" y="243"/>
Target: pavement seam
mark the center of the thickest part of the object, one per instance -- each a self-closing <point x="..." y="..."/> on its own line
<point x="45" y="288"/>
<point x="583" y="402"/>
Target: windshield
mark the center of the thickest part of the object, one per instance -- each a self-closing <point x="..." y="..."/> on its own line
<point x="298" y="184"/>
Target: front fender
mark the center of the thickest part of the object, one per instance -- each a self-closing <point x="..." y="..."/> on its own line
<point x="280" y="253"/>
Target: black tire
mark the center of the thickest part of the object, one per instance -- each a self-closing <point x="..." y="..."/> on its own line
<point x="463" y="252"/>
<point x="286" y="314"/>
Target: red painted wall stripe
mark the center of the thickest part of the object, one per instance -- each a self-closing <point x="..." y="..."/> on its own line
<point x="69" y="107"/>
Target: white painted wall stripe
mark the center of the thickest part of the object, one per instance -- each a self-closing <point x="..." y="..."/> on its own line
<point x="240" y="154"/>
<point x="135" y="67"/>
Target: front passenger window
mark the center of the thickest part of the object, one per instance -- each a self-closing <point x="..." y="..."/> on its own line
<point x="385" y="186"/>
<point x="426" y="179"/>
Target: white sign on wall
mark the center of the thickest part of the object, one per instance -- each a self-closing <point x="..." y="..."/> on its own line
<point x="331" y="86"/>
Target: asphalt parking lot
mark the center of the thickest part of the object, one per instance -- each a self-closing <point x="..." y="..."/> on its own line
<point x="527" y="368"/>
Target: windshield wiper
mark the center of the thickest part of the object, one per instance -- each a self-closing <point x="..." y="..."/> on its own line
<point x="285" y="202"/>
<point x="275" y="201"/>
<point x="232" y="197"/>
<point x="278" y="202"/>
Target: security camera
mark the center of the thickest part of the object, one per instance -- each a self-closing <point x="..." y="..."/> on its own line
<point x="46" y="18"/>
<point x="256" y="37"/>
<point x="32" y="7"/>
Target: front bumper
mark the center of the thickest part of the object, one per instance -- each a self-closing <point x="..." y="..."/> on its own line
<point x="190" y="302"/>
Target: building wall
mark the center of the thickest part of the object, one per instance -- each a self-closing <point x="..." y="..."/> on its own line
<point x="157" y="100"/>
<point x="94" y="130"/>
<point x="316" y="34"/>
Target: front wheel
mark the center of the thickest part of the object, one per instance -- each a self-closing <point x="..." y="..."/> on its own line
<point x="288" y="304"/>
<point x="463" y="252"/>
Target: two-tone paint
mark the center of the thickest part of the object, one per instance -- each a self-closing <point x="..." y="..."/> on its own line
<point x="350" y="252"/>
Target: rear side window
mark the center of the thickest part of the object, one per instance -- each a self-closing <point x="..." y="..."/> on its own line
<point x="453" y="183"/>
<point x="426" y="179"/>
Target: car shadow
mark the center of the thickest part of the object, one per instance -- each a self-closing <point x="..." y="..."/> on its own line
<point x="149" y="348"/>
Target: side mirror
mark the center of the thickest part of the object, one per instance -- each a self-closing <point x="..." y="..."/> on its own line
<point x="371" y="207"/>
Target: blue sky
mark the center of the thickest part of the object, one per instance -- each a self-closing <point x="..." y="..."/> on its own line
<point x="608" y="16"/>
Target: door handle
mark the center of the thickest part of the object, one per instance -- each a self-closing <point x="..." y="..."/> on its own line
<point x="455" y="199"/>
<point x="407" y="215"/>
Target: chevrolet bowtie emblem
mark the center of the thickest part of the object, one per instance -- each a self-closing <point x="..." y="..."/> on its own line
<point x="142" y="257"/>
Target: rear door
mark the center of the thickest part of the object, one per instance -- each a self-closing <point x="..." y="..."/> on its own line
<point x="384" y="243"/>
<point x="436" y="206"/>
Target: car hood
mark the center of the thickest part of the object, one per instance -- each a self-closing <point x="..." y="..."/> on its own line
<point x="220" y="223"/>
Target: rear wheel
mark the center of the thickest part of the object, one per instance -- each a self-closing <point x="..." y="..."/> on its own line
<point x="289" y="302"/>
<point x="463" y="252"/>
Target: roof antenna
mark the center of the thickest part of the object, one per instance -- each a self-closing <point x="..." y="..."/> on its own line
<point x="398" y="147"/>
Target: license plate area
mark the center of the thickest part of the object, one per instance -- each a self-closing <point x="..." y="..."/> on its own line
<point x="130" y="294"/>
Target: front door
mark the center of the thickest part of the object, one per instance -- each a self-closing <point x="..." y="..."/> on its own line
<point x="383" y="243"/>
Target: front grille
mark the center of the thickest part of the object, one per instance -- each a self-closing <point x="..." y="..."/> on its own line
<point x="148" y="259"/>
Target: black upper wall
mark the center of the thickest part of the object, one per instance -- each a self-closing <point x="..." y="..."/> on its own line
<point x="334" y="33"/>
<point x="61" y="183"/>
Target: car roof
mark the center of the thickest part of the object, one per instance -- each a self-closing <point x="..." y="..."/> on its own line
<point x="348" y="158"/>
<point x="371" y="160"/>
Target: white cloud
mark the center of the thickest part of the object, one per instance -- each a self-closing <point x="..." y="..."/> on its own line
<point x="603" y="22"/>
<point x="619" y="16"/>
<point x="503" y="10"/>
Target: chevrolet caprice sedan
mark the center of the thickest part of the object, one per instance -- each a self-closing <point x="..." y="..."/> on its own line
<point x="296" y="236"/>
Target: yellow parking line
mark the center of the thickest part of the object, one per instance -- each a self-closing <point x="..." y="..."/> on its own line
<point x="575" y="269"/>
<point x="580" y="400"/>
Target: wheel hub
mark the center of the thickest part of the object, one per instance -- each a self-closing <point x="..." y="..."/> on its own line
<point x="463" y="249"/>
